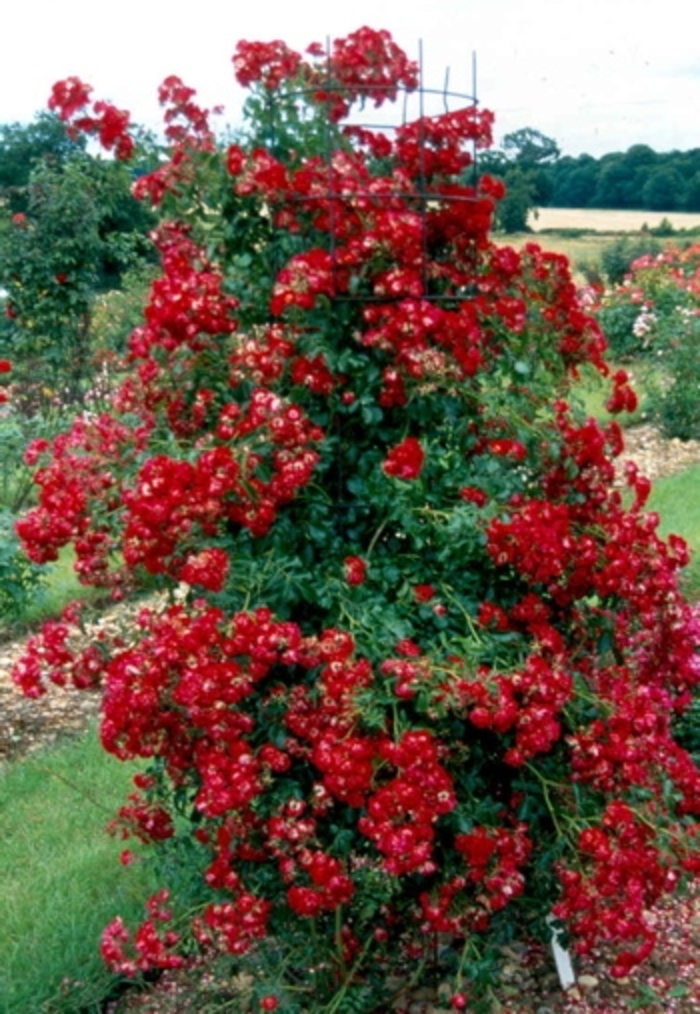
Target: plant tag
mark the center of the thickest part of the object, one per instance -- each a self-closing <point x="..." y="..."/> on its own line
<point x="562" y="958"/>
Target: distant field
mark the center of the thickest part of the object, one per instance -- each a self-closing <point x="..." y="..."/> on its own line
<point x="609" y="221"/>
<point x="581" y="250"/>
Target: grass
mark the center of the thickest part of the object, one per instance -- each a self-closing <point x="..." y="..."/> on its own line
<point x="580" y="250"/>
<point x="62" y="881"/>
<point x="677" y="500"/>
<point x="62" y="586"/>
<point x="593" y="391"/>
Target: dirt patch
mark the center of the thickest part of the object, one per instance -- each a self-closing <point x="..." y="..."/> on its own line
<point x="29" y="724"/>
<point x="657" y="456"/>
<point x="668" y="984"/>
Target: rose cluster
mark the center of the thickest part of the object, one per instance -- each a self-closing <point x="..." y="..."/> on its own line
<point x="418" y="657"/>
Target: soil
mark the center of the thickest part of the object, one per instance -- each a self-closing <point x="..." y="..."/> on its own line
<point x="656" y="456"/>
<point x="668" y="984"/>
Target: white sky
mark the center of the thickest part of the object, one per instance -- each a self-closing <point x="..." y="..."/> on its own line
<point x="596" y="75"/>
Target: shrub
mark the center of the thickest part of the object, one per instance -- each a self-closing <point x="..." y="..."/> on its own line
<point x="627" y="324"/>
<point x="48" y="265"/>
<point x="415" y="675"/>
<point x="654" y="315"/>
<point x="674" y="401"/>
<point x="31" y="412"/>
<point x="663" y="229"/>
<point x="640" y="315"/>
<point x="617" y="257"/>
<point x="20" y="580"/>
<point x="115" y="314"/>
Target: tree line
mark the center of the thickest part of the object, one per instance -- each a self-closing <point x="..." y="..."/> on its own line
<point x="536" y="174"/>
<point x="39" y="160"/>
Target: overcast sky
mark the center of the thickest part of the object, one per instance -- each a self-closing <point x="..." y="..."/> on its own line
<point x="596" y="75"/>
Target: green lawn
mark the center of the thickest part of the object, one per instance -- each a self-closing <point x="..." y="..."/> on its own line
<point x="677" y="500"/>
<point x="61" y="879"/>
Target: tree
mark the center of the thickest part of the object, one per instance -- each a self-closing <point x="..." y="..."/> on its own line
<point x="663" y="190"/>
<point x="574" y="182"/>
<point x="529" y="147"/>
<point x="533" y="153"/>
<point x="81" y="230"/>
<point x="24" y="146"/>
<point x="48" y="265"/>
<point x="613" y="189"/>
<point x="520" y="164"/>
<point x="691" y="200"/>
<point x="519" y="202"/>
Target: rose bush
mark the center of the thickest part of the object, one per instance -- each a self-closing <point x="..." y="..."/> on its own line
<point x="641" y="313"/>
<point x="414" y="675"/>
<point x="653" y="315"/>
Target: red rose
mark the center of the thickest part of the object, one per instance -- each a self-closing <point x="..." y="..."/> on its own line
<point x="405" y="461"/>
<point x="355" y="570"/>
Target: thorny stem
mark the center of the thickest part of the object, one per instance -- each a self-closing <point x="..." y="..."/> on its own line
<point x="337" y="1001"/>
<point x="469" y="620"/>
<point x="339" y="940"/>
<point x="376" y="537"/>
<point x="411" y="981"/>
<point x="545" y="784"/>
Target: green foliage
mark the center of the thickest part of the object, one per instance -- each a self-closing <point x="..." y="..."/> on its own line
<point x="520" y="199"/>
<point x="664" y="229"/>
<point x="533" y="152"/>
<point x="618" y="319"/>
<point x="23" y="147"/>
<point x="654" y="315"/>
<point x="81" y="231"/>
<point x="686" y="728"/>
<point x="48" y="265"/>
<point x="675" y="402"/>
<point x="521" y="165"/>
<point x="20" y="580"/>
<point x="663" y="190"/>
<point x="35" y="411"/>
<point x="116" y="313"/>
<point x="637" y="178"/>
<point x="617" y="258"/>
<point x="530" y="147"/>
<point x="15" y="477"/>
<point x="123" y="223"/>
<point x="574" y="181"/>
